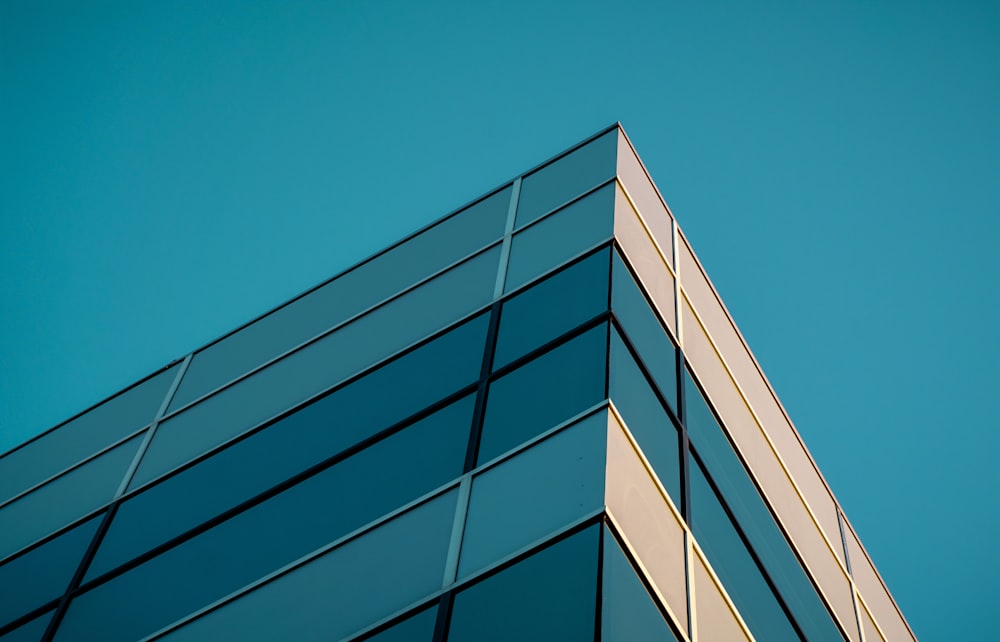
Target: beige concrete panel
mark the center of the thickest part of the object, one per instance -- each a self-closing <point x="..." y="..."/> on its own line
<point x="654" y="273"/>
<point x="645" y="197"/>
<point x="873" y="591"/>
<point x="871" y="632"/>
<point x="642" y="511"/>
<point x="758" y="393"/>
<point x="715" y="617"/>
<point x="766" y="469"/>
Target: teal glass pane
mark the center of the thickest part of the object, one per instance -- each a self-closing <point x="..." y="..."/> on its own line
<point x="754" y="517"/>
<point x="416" y="628"/>
<point x="645" y="417"/>
<point x="644" y="330"/>
<point x="568" y="233"/>
<point x="628" y="611"/>
<point x="301" y="440"/>
<point x="550" y="308"/>
<point x="566" y="178"/>
<point x="734" y="565"/>
<point x="551" y="595"/>
<point x="349" y="294"/>
<point x="30" y="631"/>
<point x="544" y="392"/>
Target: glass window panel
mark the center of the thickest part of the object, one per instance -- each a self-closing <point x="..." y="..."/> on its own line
<point x="30" y="580"/>
<point x="416" y="628"/>
<point x="31" y="631"/>
<point x="548" y="596"/>
<point x="64" y="499"/>
<point x="645" y="417"/>
<point x="544" y="392"/>
<point x="736" y="569"/>
<point x="299" y="441"/>
<point x="567" y="177"/>
<point x="560" y="237"/>
<point x="753" y="516"/>
<point x="542" y="489"/>
<point x="309" y="515"/>
<point x="645" y="332"/>
<point x="345" y="590"/>
<point x="76" y="440"/>
<point x="715" y="620"/>
<point x="330" y="360"/>
<point x="252" y="466"/>
<point x="628" y="612"/>
<point x="347" y="295"/>
<point x="655" y="533"/>
<point x="552" y="307"/>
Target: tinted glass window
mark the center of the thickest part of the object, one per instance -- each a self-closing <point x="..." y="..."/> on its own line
<point x="544" y="392"/>
<point x="64" y="499"/>
<point x="78" y="439"/>
<point x="311" y="514"/>
<point x="645" y="417"/>
<point x="552" y="307"/>
<point x="29" y="581"/>
<point x="643" y="328"/>
<point x="330" y="360"/>
<point x="343" y="591"/>
<point x="548" y="596"/>
<point x="303" y="439"/>
<point x="629" y="613"/>
<point x="725" y="468"/>
<point x="567" y="177"/>
<point x="31" y="631"/>
<point x="733" y="564"/>
<point x="342" y="298"/>
<point x="535" y="493"/>
<point x="560" y="237"/>
<point x="416" y="628"/>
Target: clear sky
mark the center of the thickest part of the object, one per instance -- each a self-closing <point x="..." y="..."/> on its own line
<point x="169" y="170"/>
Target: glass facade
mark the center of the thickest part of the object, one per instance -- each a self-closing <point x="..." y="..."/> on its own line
<point x="533" y="419"/>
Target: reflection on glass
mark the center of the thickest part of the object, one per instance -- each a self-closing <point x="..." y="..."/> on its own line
<point x="548" y="596"/>
<point x="734" y="565"/>
<point x="416" y="628"/>
<point x="567" y="177"/>
<point x="567" y="233"/>
<point x="552" y="307"/>
<point x="645" y="417"/>
<point x="753" y="516"/>
<point x="628" y="612"/>
<point x="544" y="392"/>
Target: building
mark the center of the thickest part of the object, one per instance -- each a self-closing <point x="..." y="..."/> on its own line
<point x="485" y="432"/>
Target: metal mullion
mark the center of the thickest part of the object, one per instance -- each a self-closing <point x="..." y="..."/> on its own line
<point x="589" y="324"/>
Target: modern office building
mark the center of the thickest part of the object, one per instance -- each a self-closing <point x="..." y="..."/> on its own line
<point x="534" y="419"/>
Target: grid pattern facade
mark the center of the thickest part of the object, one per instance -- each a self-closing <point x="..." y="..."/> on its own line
<point x="532" y="419"/>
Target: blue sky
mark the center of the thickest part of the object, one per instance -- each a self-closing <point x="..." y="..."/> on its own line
<point x="170" y="170"/>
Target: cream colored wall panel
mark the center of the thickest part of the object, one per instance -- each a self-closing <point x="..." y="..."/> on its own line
<point x="645" y="197"/>
<point x="871" y="588"/>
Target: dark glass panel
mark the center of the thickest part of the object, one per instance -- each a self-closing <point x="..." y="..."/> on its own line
<point x="544" y="392"/>
<point x="728" y="473"/>
<point x="733" y="564"/>
<point x="535" y="493"/>
<point x="567" y="233"/>
<point x="628" y="612"/>
<point x="344" y="590"/>
<point x="30" y="631"/>
<point x="645" y="417"/>
<point x="644" y="330"/>
<point x="567" y="177"/>
<point x="552" y="307"/>
<point x="303" y="439"/>
<point x="346" y="296"/>
<point x="262" y="539"/>
<point x="352" y="348"/>
<point x="416" y="628"/>
<point x="548" y="596"/>
<point x="30" y="580"/>
<point x="64" y="499"/>
<point x="78" y="439"/>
